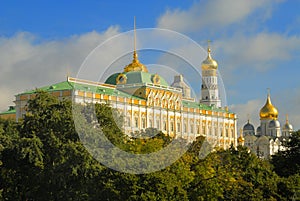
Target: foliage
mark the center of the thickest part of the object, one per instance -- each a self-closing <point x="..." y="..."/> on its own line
<point x="42" y="158"/>
<point x="287" y="163"/>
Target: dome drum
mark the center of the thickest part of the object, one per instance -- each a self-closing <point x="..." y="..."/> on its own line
<point x="288" y="127"/>
<point x="274" y="124"/>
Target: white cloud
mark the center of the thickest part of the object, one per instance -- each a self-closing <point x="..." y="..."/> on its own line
<point x="215" y="14"/>
<point x="247" y="51"/>
<point x="260" y="51"/>
<point x="248" y="110"/>
<point x="286" y="102"/>
<point x="26" y="63"/>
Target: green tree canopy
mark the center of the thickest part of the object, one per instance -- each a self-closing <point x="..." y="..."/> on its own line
<point x="42" y="158"/>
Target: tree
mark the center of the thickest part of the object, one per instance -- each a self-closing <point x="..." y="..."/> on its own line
<point x="43" y="158"/>
<point x="287" y="163"/>
<point x="47" y="160"/>
<point x="233" y="174"/>
<point x="8" y="134"/>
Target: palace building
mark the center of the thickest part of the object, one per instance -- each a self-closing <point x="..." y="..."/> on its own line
<point x="269" y="136"/>
<point x="146" y="100"/>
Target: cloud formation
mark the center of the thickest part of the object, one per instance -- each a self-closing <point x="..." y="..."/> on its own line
<point x="26" y="63"/>
<point x="250" y="56"/>
<point x="215" y="14"/>
<point x="261" y="51"/>
<point x="248" y="110"/>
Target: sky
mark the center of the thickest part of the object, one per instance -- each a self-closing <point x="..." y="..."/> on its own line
<point x="256" y="44"/>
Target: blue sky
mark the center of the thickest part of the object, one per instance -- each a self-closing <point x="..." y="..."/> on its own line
<point x="256" y="43"/>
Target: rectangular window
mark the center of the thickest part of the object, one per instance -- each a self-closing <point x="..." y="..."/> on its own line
<point x="143" y="122"/>
<point x="150" y="123"/>
<point x="178" y="126"/>
<point x="136" y="121"/>
<point x="192" y="128"/>
<point x="165" y="125"/>
<point x="128" y="122"/>
<point x="157" y="124"/>
<point x="172" y="126"/>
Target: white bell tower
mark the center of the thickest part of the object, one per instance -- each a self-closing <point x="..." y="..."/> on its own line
<point x="209" y="88"/>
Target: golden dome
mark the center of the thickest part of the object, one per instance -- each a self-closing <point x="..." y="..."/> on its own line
<point x="240" y="139"/>
<point x="135" y="65"/>
<point x="268" y="111"/>
<point x="209" y="63"/>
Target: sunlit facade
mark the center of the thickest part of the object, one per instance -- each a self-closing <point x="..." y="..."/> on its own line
<point x="146" y="100"/>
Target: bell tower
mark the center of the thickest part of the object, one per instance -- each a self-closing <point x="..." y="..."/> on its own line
<point x="209" y="87"/>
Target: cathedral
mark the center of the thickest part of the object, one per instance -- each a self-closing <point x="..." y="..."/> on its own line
<point x="269" y="137"/>
<point x="146" y="100"/>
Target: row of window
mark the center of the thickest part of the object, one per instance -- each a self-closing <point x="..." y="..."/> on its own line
<point x="191" y="128"/>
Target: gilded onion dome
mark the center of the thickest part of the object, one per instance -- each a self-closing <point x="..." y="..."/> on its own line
<point x="268" y="111"/>
<point x="241" y="137"/>
<point x="209" y="63"/>
<point x="135" y="65"/>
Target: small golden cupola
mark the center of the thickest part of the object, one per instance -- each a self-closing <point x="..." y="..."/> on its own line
<point x="135" y="65"/>
<point x="241" y="138"/>
<point x="268" y="111"/>
<point x="209" y="63"/>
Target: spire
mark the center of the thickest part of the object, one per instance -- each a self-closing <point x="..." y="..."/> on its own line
<point x="241" y="132"/>
<point x="248" y="118"/>
<point x="209" y="63"/>
<point x="268" y="96"/>
<point x="135" y="65"/>
<point x="135" y="55"/>
<point x="286" y="118"/>
<point x="208" y="48"/>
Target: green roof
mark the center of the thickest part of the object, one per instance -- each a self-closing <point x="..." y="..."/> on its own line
<point x="65" y="85"/>
<point x="11" y="110"/>
<point x="69" y="85"/>
<point x="136" y="77"/>
<point x="192" y="104"/>
<point x="112" y="79"/>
